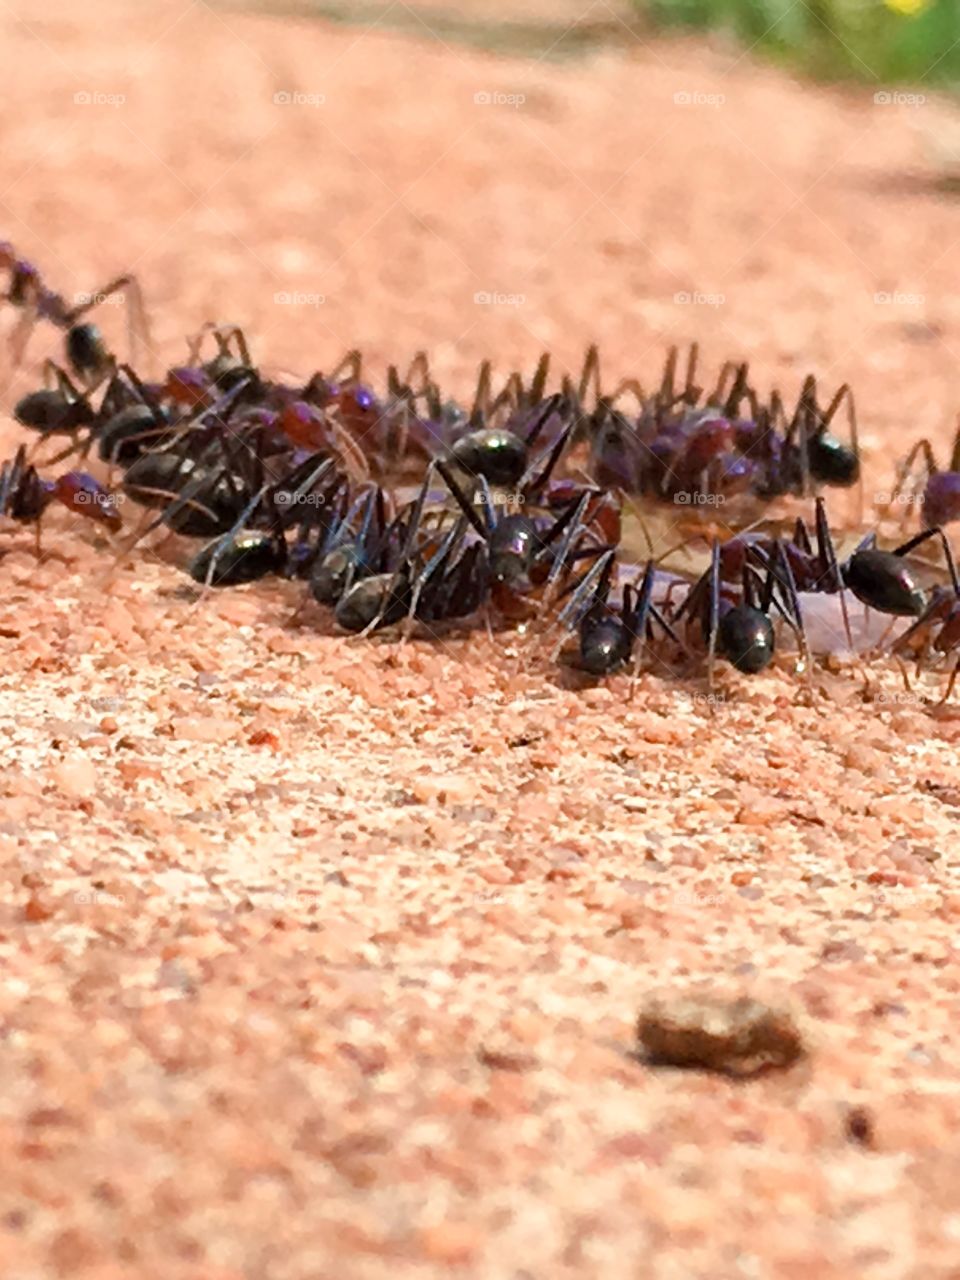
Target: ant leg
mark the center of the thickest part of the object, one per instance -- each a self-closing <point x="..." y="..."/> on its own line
<point x="481" y="400"/>
<point x="666" y="394"/>
<point x="549" y="407"/>
<point x="351" y="365"/>
<point x="419" y="368"/>
<point x="138" y="323"/>
<point x="845" y="393"/>
<point x="539" y="382"/>
<point x="955" y="451"/>
<point x="720" y="395"/>
<point x="221" y="543"/>
<point x="511" y="394"/>
<point x="827" y="562"/>
<point x="486" y="501"/>
<point x="793" y="612"/>
<point x="239" y="337"/>
<point x="904" y="673"/>
<point x="354" y="459"/>
<point x="805" y="423"/>
<point x="923" y="449"/>
<point x="627" y="386"/>
<point x="691" y="392"/>
<point x="195" y="344"/>
<point x="390" y="597"/>
<point x="636" y="618"/>
<point x="950" y="683"/>
<point x="532" y="482"/>
<point x="592" y="586"/>
<point x="187" y="498"/>
<point x="590" y="375"/>
<point x="17" y="343"/>
<point x="713" y="607"/>
<point x="432" y="566"/>
<point x="924" y="536"/>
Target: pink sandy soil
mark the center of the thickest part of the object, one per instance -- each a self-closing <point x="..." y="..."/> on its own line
<point x="323" y="959"/>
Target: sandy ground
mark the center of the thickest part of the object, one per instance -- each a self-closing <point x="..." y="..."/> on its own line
<point x="324" y="960"/>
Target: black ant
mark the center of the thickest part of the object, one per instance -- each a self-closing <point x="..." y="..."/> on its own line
<point x="350" y="550"/>
<point x="608" y="636"/>
<point x="58" y="408"/>
<point x="520" y="548"/>
<point x="245" y="554"/>
<point x="499" y="455"/>
<point x="737" y="625"/>
<point x="86" y="350"/>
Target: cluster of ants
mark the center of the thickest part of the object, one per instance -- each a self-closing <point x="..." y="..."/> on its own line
<point x="405" y="507"/>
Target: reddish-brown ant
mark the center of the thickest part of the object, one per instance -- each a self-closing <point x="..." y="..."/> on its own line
<point x="940" y="495"/>
<point x="937" y="630"/>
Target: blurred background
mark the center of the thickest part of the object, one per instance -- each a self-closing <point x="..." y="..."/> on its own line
<point x="777" y="181"/>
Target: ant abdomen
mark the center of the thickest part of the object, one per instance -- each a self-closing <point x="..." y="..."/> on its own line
<point x="745" y="637"/>
<point x="248" y="557"/>
<point x="885" y="581"/>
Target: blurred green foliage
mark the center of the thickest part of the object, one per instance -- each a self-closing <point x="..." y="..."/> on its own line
<point x="877" y="41"/>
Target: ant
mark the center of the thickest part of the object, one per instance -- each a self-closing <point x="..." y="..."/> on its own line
<point x="385" y="585"/>
<point x="937" y="630"/>
<point x="86" y="351"/>
<point x="243" y="554"/>
<point x="57" y="409"/>
<point x="940" y="496"/>
<point x="737" y="625"/>
<point x="608" y="636"/>
<point x="882" y="580"/>
<point x="520" y="548"/>
<point x="25" y="495"/>
<point x="348" y="552"/>
<point x="129" y="414"/>
<point x="501" y="456"/>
